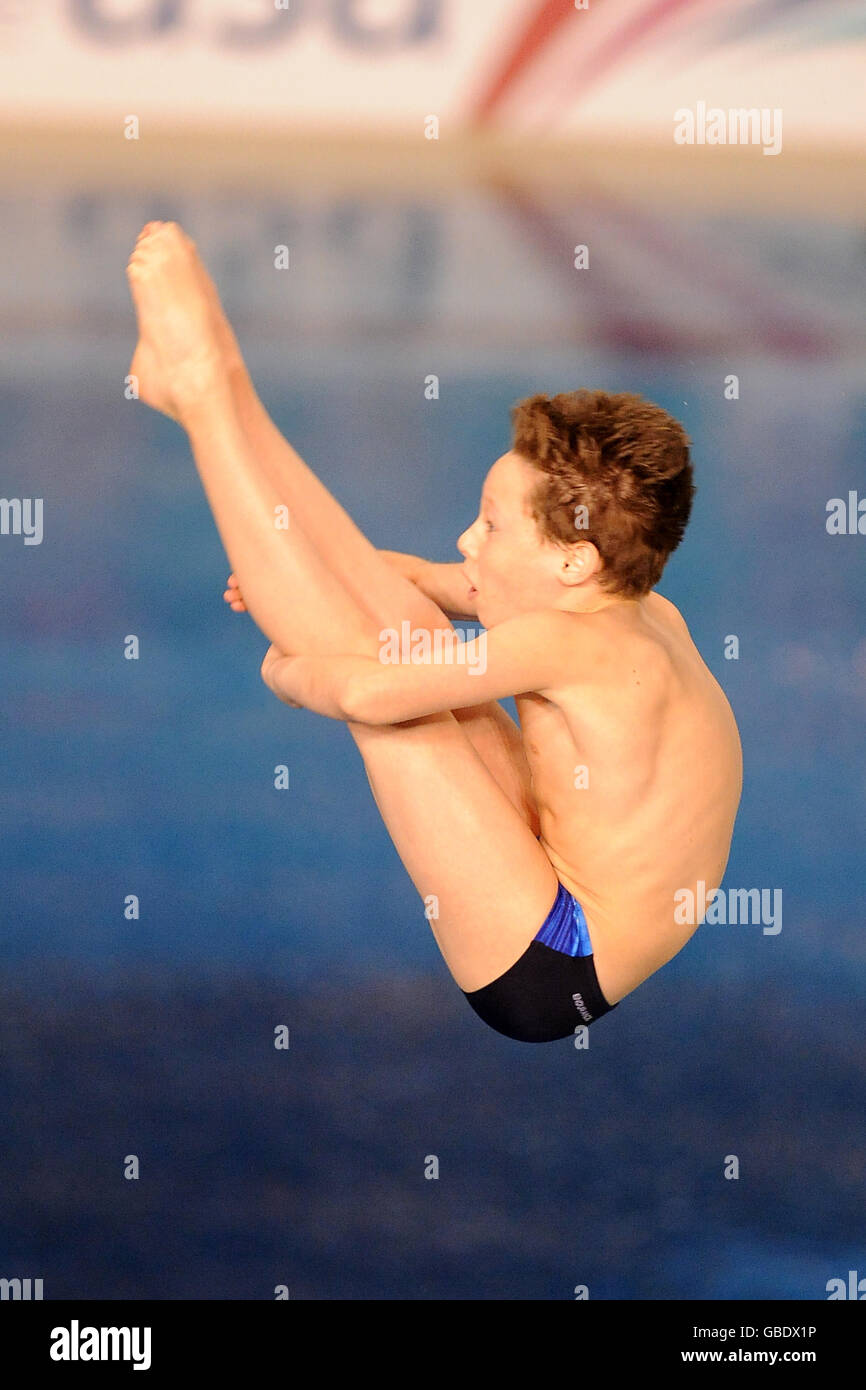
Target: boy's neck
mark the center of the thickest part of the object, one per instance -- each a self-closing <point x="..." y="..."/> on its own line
<point x="578" y="602"/>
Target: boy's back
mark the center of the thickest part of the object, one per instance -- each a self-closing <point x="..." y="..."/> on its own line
<point x="637" y="770"/>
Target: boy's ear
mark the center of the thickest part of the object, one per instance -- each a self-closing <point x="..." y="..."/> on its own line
<point x="579" y="563"/>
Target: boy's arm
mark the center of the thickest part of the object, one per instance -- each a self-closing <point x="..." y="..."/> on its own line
<point x="531" y="652"/>
<point x="446" y="585"/>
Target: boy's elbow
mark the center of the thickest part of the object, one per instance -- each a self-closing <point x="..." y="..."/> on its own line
<point x="367" y="700"/>
<point x="361" y="702"/>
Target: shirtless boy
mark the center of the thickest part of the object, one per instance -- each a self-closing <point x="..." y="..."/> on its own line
<point x="548" y="855"/>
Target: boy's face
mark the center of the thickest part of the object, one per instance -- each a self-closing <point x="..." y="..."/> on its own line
<point x="511" y="567"/>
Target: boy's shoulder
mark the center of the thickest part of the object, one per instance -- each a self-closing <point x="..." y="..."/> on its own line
<point x="657" y="603"/>
<point x="604" y="649"/>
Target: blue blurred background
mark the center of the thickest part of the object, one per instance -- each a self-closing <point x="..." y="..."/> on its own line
<point x="154" y="777"/>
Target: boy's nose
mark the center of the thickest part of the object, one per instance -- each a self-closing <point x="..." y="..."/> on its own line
<point x="466" y="542"/>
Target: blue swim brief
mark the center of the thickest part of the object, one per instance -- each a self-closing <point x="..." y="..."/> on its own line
<point x="553" y="987"/>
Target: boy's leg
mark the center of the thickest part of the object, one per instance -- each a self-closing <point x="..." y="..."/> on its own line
<point x="356" y="562"/>
<point x="486" y="883"/>
<point x="341" y="544"/>
<point x="463" y="842"/>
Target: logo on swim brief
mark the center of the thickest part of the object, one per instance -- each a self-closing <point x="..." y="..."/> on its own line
<point x="581" y="1008"/>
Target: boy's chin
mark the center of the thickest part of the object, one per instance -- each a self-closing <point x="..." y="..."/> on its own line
<point x="487" y="617"/>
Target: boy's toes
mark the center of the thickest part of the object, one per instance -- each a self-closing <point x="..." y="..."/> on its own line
<point x="147" y="229"/>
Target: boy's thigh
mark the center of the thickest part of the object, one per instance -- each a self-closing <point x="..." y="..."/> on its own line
<point x="486" y="883"/>
<point x="490" y="729"/>
<point x="499" y="743"/>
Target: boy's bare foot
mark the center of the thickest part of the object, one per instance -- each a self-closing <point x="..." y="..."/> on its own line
<point x="178" y="352"/>
<point x="144" y="365"/>
<point x="223" y="332"/>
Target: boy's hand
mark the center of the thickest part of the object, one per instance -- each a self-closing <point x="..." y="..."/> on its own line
<point x="446" y="584"/>
<point x="268" y="673"/>
<point x="233" y="596"/>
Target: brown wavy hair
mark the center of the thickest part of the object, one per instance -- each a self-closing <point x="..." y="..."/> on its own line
<point x="624" y="459"/>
